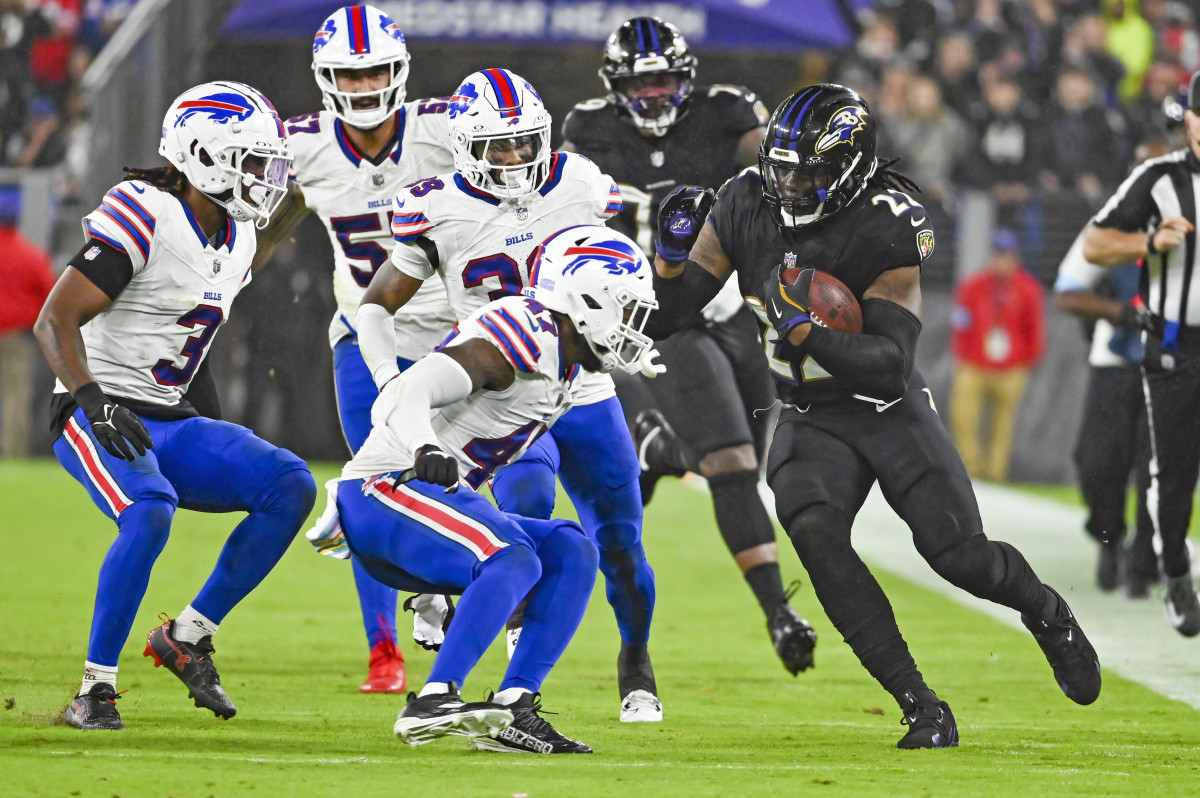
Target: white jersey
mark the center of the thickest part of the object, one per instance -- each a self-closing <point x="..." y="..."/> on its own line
<point x="489" y="429"/>
<point x="353" y="198"/>
<point x="149" y="342"/>
<point x="483" y="244"/>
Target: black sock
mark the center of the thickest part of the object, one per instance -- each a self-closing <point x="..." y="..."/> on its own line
<point x="767" y="584"/>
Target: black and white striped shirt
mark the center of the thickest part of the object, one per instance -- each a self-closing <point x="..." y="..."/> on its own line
<point x="1157" y="189"/>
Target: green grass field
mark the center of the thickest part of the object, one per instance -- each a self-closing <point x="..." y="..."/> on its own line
<point x="292" y="656"/>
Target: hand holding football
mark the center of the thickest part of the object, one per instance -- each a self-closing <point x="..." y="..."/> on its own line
<point x="831" y="303"/>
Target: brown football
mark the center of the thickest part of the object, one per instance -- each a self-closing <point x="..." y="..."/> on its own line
<point x="831" y="303"/>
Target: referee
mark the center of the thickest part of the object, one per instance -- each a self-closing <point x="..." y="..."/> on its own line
<point x="1152" y="217"/>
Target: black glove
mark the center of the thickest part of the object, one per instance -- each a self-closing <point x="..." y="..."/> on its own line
<point x="435" y="466"/>
<point x="787" y="305"/>
<point x="680" y="217"/>
<point x="116" y="428"/>
<point x="1136" y="316"/>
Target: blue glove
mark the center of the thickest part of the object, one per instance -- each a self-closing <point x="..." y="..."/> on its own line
<point x="680" y="217"/>
<point x="787" y="305"/>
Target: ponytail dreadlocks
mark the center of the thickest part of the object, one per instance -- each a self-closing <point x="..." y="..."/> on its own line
<point x="166" y="177"/>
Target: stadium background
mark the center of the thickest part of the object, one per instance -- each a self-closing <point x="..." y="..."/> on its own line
<point x="272" y="362"/>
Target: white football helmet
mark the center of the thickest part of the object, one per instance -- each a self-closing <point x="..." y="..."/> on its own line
<point x="356" y="37"/>
<point x="229" y="142"/>
<point x="496" y="108"/>
<point x="601" y="280"/>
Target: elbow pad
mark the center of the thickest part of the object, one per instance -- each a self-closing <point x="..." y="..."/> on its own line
<point x="876" y="363"/>
<point x="681" y="299"/>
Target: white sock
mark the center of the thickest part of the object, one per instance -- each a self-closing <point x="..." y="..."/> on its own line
<point x="434" y="688"/>
<point x="190" y="626"/>
<point x="94" y="674"/>
<point x="509" y="695"/>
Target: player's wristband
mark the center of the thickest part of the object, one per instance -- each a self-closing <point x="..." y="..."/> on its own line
<point x="1150" y="248"/>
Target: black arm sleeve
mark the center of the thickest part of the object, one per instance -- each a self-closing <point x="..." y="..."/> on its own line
<point x="202" y="392"/>
<point x="878" y="363"/>
<point x="105" y="265"/>
<point x="680" y="299"/>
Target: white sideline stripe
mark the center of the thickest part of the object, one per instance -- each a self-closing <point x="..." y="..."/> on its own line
<point x="1132" y="637"/>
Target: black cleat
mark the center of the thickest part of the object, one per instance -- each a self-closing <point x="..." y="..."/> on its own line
<point x="659" y="451"/>
<point x="1076" y="666"/>
<point x="530" y="732"/>
<point x="429" y="717"/>
<point x="1181" y="605"/>
<point x="192" y="663"/>
<point x="930" y="725"/>
<point x="95" y="709"/>
<point x="794" y="639"/>
<point x="1110" y="567"/>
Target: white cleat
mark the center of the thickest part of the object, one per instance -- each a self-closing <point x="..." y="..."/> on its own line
<point x="641" y="706"/>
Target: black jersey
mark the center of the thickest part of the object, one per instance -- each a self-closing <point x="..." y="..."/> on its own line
<point x="882" y="229"/>
<point x="698" y="150"/>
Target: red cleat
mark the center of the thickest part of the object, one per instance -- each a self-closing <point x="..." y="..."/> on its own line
<point x="386" y="672"/>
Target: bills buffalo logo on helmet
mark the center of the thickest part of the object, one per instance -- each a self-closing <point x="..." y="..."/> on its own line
<point x="324" y="35"/>
<point x="615" y="257"/>
<point x="844" y="123"/>
<point x="464" y="97"/>
<point x="221" y="107"/>
<point x="391" y="28"/>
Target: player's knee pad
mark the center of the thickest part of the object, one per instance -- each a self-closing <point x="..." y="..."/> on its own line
<point x="517" y="561"/>
<point x="291" y="491"/>
<point x="525" y="488"/>
<point x="817" y="530"/>
<point x="741" y="517"/>
<point x="975" y="564"/>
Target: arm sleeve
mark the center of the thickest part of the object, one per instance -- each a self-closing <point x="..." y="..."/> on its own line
<point x="108" y="267"/>
<point x="377" y="342"/>
<point x="681" y="299"/>
<point x="877" y="363"/>
<point x="407" y="404"/>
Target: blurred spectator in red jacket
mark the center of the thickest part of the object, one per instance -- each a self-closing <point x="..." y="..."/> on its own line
<point x="998" y="336"/>
<point x="27" y="277"/>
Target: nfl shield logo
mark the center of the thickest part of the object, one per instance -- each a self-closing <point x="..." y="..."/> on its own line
<point x="789" y="260"/>
<point x="377" y="179"/>
<point x="657" y="159"/>
<point x="216" y="266"/>
<point x="522" y="214"/>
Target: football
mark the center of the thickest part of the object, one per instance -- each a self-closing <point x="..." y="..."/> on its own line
<point x="831" y="303"/>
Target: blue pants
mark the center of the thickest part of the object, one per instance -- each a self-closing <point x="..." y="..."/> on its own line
<point x="356" y="392"/>
<point x="198" y="464"/>
<point x="592" y="452"/>
<point x="417" y="537"/>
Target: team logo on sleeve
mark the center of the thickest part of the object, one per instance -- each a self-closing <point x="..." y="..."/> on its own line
<point x="324" y="35"/>
<point x="842" y="126"/>
<point x="221" y="107"/>
<point x="464" y="97"/>
<point x="925" y="243"/>
<point x="613" y="256"/>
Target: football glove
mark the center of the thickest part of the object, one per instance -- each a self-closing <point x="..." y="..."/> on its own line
<point x="787" y="305"/>
<point x="116" y="428"/>
<point x="1136" y="316"/>
<point x="680" y="217"/>
<point x="431" y="618"/>
<point x="326" y="534"/>
<point x="435" y="466"/>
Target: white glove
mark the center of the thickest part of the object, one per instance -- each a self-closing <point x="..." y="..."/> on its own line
<point x="431" y="618"/>
<point x="725" y="305"/>
<point x="326" y="535"/>
<point x="648" y="367"/>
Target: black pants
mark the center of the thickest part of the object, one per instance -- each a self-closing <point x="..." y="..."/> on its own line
<point x="716" y="392"/>
<point x="1112" y="445"/>
<point x="1172" y="389"/>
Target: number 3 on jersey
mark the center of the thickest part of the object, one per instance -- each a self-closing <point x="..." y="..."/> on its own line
<point x="367" y="230"/>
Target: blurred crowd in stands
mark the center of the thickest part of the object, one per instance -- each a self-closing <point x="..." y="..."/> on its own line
<point x="1037" y="103"/>
<point x="46" y="47"/>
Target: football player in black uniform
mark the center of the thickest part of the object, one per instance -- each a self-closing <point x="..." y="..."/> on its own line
<point x="855" y="410"/>
<point x="656" y="131"/>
